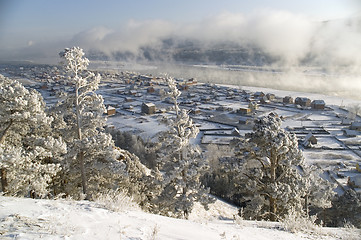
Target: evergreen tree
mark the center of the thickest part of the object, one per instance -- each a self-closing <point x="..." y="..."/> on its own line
<point x="180" y="162"/>
<point x="29" y="154"/>
<point x="93" y="163"/>
<point x="274" y="174"/>
<point x="80" y="121"/>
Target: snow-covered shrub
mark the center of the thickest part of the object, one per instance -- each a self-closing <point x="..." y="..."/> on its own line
<point x="345" y="208"/>
<point x="116" y="200"/>
<point x="145" y="150"/>
<point x="295" y="221"/>
<point x="153" y="235"/>
<point x="25" y="175"/>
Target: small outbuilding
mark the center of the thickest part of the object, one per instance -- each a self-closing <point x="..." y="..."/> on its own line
<point x="111" y="111"/>
<point x="309" y="140"/>
<point x="350" y="133"/>
<point x="354" y="181"/>
<point x="196" y="111"/>
<point x="245" y="120"/>
<point x="150" y="90"/>
<point x="244" y="111"/>
<point x="356" y="126"/>
<point x="148" y="108"/>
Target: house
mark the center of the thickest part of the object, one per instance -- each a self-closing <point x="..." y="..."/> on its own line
<point x="356" y="126"/>
<point x="191" y="95"/>
<point x="318" y="104"/>
<point x="309" y="140"/>
<point x="191" y="81"/>
<point x="184" y="87"/>
<point x="264" y="100"/>
<point x="196" y="111"/>
<point x="150" y="90"/>
<point x="148" y="108"/>
<point x="270" y="96"/>
<point x="258" y="94"/>
<point x="111" y="111"/>
<point x="244" y="111"/>
<point x="132" y="92"/>
<point x="128" y="99"/>
<point x="253" y="106"/>
<point x="303" y="101"/>
<point x="221" y="108"/>
<point x="205" y="99"/>
<point x="288" y="100"/>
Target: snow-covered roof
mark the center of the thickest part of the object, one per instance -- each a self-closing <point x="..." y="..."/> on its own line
<point x="149" y="104"/>
<point x="318" y="102"/>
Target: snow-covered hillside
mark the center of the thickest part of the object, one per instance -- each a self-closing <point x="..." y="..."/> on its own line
<point x="22" y="218"/>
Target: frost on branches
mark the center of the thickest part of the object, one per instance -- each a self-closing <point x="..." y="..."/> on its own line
<point x="29" y="154"/>
<point x="91" y="161"/>
<point x="274" y="174"/>
<point x="180" y="163"/>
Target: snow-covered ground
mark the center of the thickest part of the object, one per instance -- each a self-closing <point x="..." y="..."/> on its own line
<point x="22" y="218"/>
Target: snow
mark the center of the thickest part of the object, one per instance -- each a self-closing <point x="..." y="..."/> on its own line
<point x="22" y="218"/>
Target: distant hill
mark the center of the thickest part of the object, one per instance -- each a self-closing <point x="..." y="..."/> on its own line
<point x="192" y="52"/>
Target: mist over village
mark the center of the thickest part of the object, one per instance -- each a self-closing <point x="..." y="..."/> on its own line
<point x="187" y="120"/>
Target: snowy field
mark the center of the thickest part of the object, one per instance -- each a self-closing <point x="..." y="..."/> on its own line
<point x="23" y="218"/>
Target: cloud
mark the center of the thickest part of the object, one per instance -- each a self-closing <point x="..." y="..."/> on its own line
<point x="129" y="38"/>
<point x="291" y="40"/>
<point x="288" y="37"/>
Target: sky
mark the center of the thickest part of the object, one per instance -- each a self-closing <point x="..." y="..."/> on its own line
<point x="34" y="26"/>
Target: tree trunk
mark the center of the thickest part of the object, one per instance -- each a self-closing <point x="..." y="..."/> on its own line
<point x="4" y="182"/>
<point x="272" y="201"/>
<point x="3" y="134"/>
<point x="80" y="137"/>
<point x="273" y="209"/>
<point x="82" y="172"/>
<point x="184" y="193"/>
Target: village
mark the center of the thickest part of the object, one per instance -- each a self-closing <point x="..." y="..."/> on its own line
<point x="328" y="134"/>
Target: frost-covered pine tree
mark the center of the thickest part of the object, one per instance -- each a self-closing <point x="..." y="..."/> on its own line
<point x="274" y="174"/>
<point x="29" y="154"/>
<point x="180" y="163"/>
<point x="79" y="118"/>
